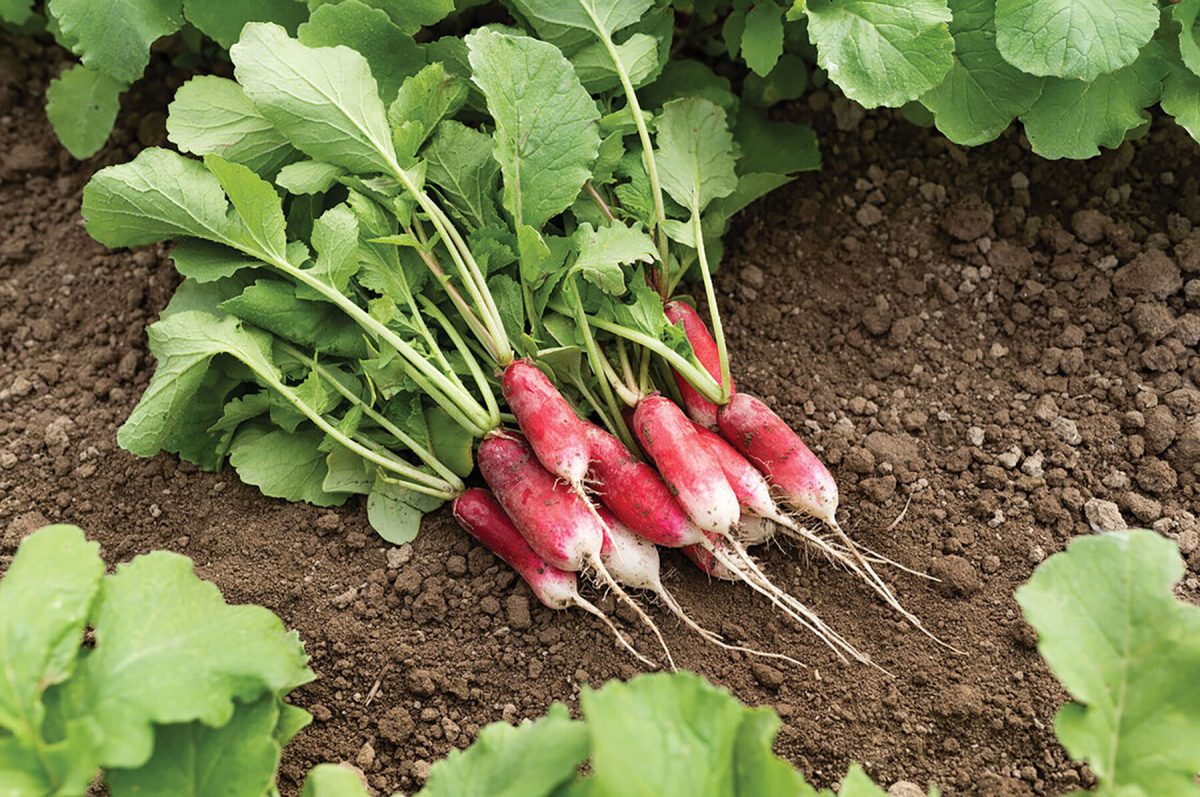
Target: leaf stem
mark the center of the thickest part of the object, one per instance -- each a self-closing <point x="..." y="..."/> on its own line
<point x="598" y="362"/>
<point x="489" y="396"/>
<point x="713" y="312"/>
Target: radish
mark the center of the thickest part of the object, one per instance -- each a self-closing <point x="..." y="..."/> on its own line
<point x="478" y="512"/>
<point x="699" y="409"/>
<point x="803" y="481"/>
<point x="688" y="467"/>
<point x="557" y="522"/>
<point x="635" y="563"/>
<point x="640" y="498"/>
<point x="548" y="422"/>
<point x="636" y="494"/>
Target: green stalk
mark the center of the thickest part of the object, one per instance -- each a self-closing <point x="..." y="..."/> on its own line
<point x="697" y="377"/>
<point x="461" y="346"/>
<point x="713" y="312"/>
<point x="660" y="211"/>
<point x="597" y="363"/>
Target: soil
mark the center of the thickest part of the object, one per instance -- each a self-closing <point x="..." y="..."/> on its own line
<point x="1008" y="343"/>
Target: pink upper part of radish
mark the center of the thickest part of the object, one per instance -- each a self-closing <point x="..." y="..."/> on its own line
<point x="481" y="516"/>
<point x="699" y="409"/>
<point x="548" y="422"/>
<point x="636" y="493"/>
<point x="767" y="441"/>
<point x="630" y="559"/>
<point x="552" y="518"/>
<point x="688" y="467"/>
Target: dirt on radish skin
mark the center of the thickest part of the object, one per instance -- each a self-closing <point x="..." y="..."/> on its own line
<point x="551" y="427"/>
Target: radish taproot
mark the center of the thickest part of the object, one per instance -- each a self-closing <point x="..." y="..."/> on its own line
<point x="481" y="516"/>
<point x="635" y="563"/>
<point x="550" y="425"/>
<point x="699" y="409"/>
<point x="556" y="521"/>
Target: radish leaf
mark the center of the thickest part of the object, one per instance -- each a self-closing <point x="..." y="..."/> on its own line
<point x="424" y="100"/>
<point x="391" y="53"/>
<point x="238" y="759"/>
<point x="322" y="99"/>
<point x="459" y="162"/>
<point x="1073" y="119"/>
<point x="1073" y="38"/>
<point x="282" y="464"/>
<point x="762" y="37"/>
<point x="82" y="106"/>
<point x="1128" y="652"/>
<point x="143" y="643"/>
<point x="1187" y="14"/>
<point x="264" y="228"/>
<point x="882" y="52"/>
<point x="603" y="250"/>
<point x="696" y="156"/>
<point x="212" y="115"/>
<point x="223" y="22"/>
<point x="982" y="93"/>
<point x="1181" y="97"/>
<point x="16" y="12"/>
<point x="308" y="177"/>
<point x="330" y="780"/>
<point x="114" y="38"/>
<point x="505" y="761"/>
<point x="546" y="123"/>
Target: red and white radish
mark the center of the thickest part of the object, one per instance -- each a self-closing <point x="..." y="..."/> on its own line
<point x="556" y="521"/>
<point x="481" y="516"/>
<point x="685" y="463"/>
<point x="554" y="431"/>
<point x="699" y="409"/>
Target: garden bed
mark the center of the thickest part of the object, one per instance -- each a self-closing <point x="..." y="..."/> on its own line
<point x="1007" y="341"/>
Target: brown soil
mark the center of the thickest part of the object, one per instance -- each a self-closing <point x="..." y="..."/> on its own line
<point x="999" y="338"/>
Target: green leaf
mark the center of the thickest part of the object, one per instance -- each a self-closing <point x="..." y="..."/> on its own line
<point x="322" y="99"/>
<point x="560" y="21"/>
<point x="424" y="100"/>
<point x="223" y="22"/>
<point x="546" y="134"/>
<point x="82" y="105"/>
<point x="131" y="680"/>
<point x="459" y="162"/>
<point x="157" y="196"/>
<point x="238" y="759"/>
<point x="1128" y="652"/>
<point x="207" y="262"/>
<point x="882" y="52"/>
<point x="395" y="512"/>
<point x="696" y="160"/>
<point x="409" y="15"/>
<point x="281" y="464"/>
<point x="775" y="147"/>
<point x="982" y="93"/>
<point x="264" y="228"/>
<point x="335" y="237"/>
<point x="1073" y="38"/>
<point x="212" y="115"/>
<point x="1181" y="98"/>
<point x="638" y="56"/>
<point x="184" y="345"/>
<point x="689" y="738"/>
<point x="275" y="306"/>
<point x="1187" y="14"/>
<point x="450" y="443"/>
<point x="1073" y="119"/>
<point x="45" y="600"/>
<point x="16" y="12"/>
<point x="762" y="38"/>
<point x="686" y="78"/>
<point x="529" y="760"/>
<point x="603" y="250"/>
<point x="308" y="177"/>
<point x="857" y="784"/>
<point x="391" y="53"/>
<point x="114" y="38"/>
<point x="787" y="81"/>
<point x="510" y="303"/>
<point x="330" y="780"/>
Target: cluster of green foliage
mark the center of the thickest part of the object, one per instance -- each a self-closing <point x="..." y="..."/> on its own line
<point x="1077" y="74"/>
<point x="180" y="693"/>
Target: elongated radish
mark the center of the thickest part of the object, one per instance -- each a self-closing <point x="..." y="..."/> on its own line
<point x="685" y="463"/>
<point x="635" y="563"/>
<point x="636" y="494"/>
<point x="699" y="409"/>
<point x="705" y="560"/>
<point x="554" y="519"/>
<point x="801" y="479"/>
<point x="481" y="516"/>
<point x="548" y="422"/>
